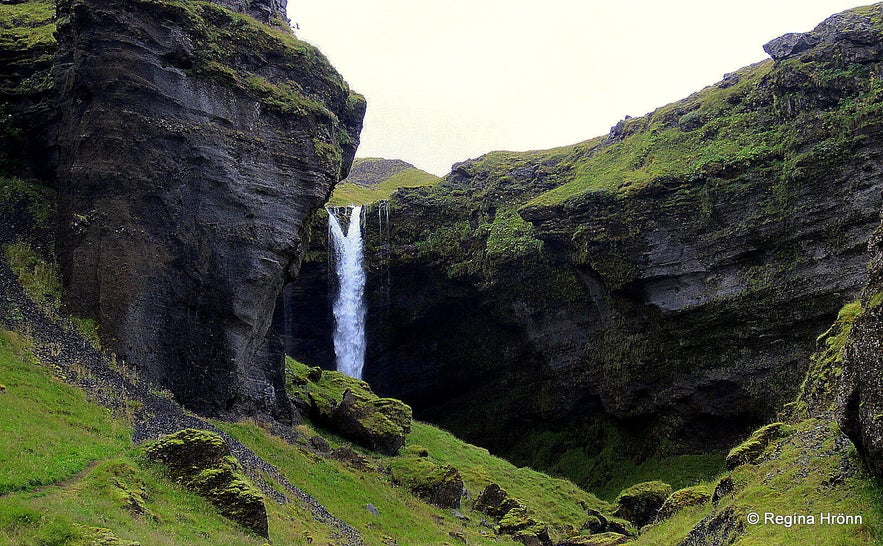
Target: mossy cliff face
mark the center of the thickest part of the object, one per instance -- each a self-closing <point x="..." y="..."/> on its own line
<point x="861" y="393"/>
<point x="194" y="144"/>
<point x="650" y="293"/>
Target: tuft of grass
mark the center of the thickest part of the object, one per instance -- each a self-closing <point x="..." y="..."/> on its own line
<point x="39" y="278"/>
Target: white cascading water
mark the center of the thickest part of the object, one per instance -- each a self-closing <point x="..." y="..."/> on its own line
<point x="349" y="306"/>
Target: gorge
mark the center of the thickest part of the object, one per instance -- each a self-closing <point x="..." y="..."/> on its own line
<point x="634" y="307"/>
<point x="217" y="326"/>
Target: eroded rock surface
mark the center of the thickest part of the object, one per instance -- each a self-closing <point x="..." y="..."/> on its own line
<point x="194" y="145"/>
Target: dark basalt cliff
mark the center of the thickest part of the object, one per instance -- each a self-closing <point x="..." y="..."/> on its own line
<point x="193" y="143"/>
<point x="652" y="293"/>
<point x="861" y="386"/>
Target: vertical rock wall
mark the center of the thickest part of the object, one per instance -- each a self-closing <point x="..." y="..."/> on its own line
<point x="195" y="143"/>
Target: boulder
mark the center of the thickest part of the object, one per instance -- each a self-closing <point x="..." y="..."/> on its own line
<point x="349" y="407"/>
<point x="440" y="485"/>
<point x="361" y="421"/>
<point x="752" y="448"/>
<point x="495" y="502"/>
<point x="524" y="528"/>
<point x="724" y="488"/>
<point x="789" y="45"/>
<point x="682" y="498"/>
<point x="201" y="461"/>
<point x="640" y="503"/>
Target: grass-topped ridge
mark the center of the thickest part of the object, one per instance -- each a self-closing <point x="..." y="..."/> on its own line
<point x="375" y="179"/>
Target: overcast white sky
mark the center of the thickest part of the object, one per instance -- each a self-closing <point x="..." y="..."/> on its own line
<point x="454" y="79"/>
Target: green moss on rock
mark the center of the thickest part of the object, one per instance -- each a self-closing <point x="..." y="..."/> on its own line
<point x="640" y="502"/>
<point x="751" y="449"/>
<point x="201" y="461"/>
<point x="819" y="387"/>
<point x="523" y="528"/>
<point x="495" y="501"/>
<point x="349" y="407"/>
<point x="440" y="485"/>
<point x="682" y="498"/>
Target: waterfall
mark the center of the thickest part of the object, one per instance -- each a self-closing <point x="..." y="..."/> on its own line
<point x="349" y="306"/>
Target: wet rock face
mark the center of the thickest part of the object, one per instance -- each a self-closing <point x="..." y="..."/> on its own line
<point x="195" y="144"/>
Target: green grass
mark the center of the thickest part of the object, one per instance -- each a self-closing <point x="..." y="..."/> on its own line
<point x="39" y="278"/>
<point x="67" y="466"/>
<point x="553" y="500"/>
<point x="794" y="478"/>
<point x="171" y="515"/>
<point x="48" y="430"/>
<point x="679" y="471"/>
<point x="27" y="25"/>
<point x="347" y="193"/>
<point x="346" y="492"/>
<point x="666" y="144"/>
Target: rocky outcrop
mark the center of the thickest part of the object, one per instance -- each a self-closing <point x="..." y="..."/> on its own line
<point x="684" y="498"/>
<point x="849" y="35"/>
<point x="27" y="114"/>
<point x="201" y="461"/>
<point x="640" y="503"/>
<point x="495" y="501"/>
<point x="439" y="485"/>
<point x="748" y="451"/>
<point x="195" y="143"/>
<point x="350" y="408"/>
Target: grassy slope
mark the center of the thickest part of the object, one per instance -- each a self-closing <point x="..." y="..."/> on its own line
<point x="74" y="473"/>
<point x="557" y="502"/>
<point x="815" y="469"/>
<point x="67" y="464"/>
<point x="347" y="193"/>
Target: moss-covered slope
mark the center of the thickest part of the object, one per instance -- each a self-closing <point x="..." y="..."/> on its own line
<point x="797" y="477"/>
<point x="375" y="179"/>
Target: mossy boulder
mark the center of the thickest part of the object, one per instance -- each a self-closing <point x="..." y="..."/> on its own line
<point x="366" y="424"/>
<point x="349" y="407"/>
<point x="621" y="526"/>
<point x="523" y="528"/>
<point x="495" y="502"/>
<point x="640" y="503"/>
<point x="682" y="498"/>
<point x="201" y="461"/>
<point x="751" y="449"/>
<point x="439" y="485"/>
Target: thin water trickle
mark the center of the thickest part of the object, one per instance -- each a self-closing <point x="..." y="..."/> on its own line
<point x="349" y="306"/>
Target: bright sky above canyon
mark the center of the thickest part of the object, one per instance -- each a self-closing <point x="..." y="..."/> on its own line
<point x="454" y="79"/>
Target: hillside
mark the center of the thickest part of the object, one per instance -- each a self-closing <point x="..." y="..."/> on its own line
<point x="375" y="179"/>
